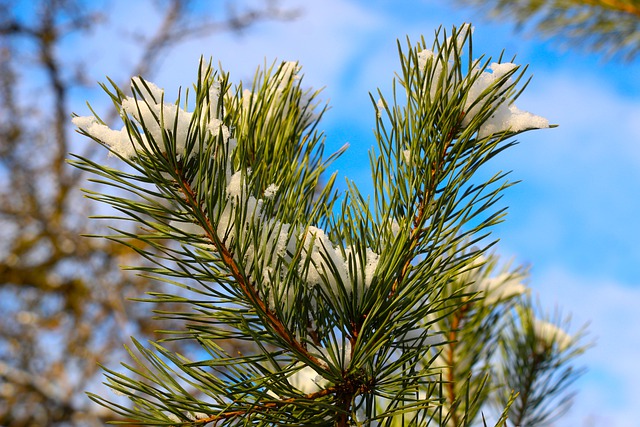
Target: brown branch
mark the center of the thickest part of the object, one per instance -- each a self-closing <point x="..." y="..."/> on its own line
<point x="344" y="392"/>
<point x="424" y="201"/>
<point x="47" y="38"/>
<point x="525" y="394"/>
<point x="450" y="368"/>
<point x="263" y="407"/>
<point x="617" y="6"/>
<point x="248" y="289"/>
<point x="458" y="317"/>
<point x="171" y="31"/>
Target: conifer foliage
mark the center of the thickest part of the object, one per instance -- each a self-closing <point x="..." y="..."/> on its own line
<point x="353" y="310"/>
<point x="608" y="27"/>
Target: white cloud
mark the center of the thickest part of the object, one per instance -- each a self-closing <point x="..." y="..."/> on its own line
<point x="323" y="39"/>
<point x="598" y="123"/>
<point x="578" y="203"/>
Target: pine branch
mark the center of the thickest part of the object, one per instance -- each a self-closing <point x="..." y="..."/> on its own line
<point x="349" y="308"/>
<point x="607" y="26"/>
<point x="536" y="363"/>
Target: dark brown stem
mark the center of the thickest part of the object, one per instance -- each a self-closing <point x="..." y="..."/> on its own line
<point x="248" y="289"/>
<point x="424" y="201"/>
<point x="263" y="407"/>
<point x="526" y="393"/>
<point x="452" y="362"/>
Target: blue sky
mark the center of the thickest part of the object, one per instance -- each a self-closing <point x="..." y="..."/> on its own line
<point x="574" y="218"/>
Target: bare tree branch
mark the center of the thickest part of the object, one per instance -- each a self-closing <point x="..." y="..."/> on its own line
<point x="60" y="294"/>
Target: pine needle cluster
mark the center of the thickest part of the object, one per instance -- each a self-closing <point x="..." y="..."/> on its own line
<point x="350" y="310"/>
<point x="610" y="27"/>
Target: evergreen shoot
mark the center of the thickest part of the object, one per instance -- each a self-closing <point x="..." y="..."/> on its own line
<point x="302" y="305"/>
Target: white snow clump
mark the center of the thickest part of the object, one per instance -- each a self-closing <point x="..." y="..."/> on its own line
<point x="500" y="288"/>
<point x="506" y="117"/>
<point x="328" y="262"/>
<point x="154" y="116"/>
<point x="307" y="380"/>
<point x="549" y="334"/>
<point x="270" y="191"/>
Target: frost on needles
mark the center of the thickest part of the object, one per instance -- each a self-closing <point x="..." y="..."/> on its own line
<point x="349" y="310"/>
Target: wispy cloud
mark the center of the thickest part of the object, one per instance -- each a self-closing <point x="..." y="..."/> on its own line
<point x="323" y="39"/>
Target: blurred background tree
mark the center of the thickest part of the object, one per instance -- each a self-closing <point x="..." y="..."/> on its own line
<point x="61" y="295"/>
<point x="610" y="27"/>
